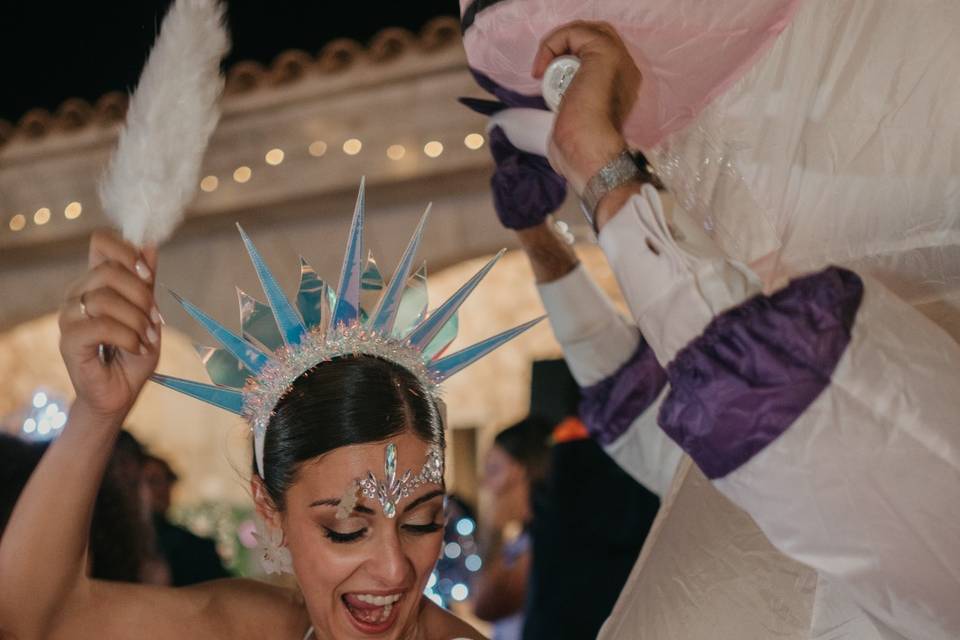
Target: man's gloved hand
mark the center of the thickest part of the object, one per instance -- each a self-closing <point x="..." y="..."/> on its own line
<point x="525" y="188"/>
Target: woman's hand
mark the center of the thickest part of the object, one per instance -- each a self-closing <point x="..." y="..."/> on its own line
<point x="112" y="304"/>
<point x="587" y="131"/>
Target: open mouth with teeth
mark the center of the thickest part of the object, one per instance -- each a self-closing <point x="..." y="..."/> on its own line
<point x="372" y="613"/>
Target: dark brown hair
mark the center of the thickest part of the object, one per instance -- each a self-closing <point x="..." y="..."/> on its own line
<point x="350" y="400"/>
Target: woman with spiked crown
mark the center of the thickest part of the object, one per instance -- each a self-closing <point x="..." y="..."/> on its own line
<point x="343" y="403"/>
<point x="348" y="472"/>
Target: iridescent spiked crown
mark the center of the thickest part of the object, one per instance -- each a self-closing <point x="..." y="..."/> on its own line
<point x="280" y="341"/>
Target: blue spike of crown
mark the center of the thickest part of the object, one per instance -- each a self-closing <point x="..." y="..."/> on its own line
<point x="347" y="308"/>
<point x="288" y="320"/>
<point x="427" y="330"/>
<point x="385" y="314"/>
<point x="312" y="297"/>
<point x="326" y="324"/>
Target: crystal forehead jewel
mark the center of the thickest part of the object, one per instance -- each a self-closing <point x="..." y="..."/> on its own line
<point x="362" y="314"/>
<point x="393" y="489"/>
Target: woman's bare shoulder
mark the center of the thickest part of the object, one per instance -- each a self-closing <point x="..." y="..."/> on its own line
<point x="257" y="609"/>
<point x="232" y="608"/>
<point x="440" y="624"/>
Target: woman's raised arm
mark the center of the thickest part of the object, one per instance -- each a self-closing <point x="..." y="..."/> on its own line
<point x="44" y="589"/>
<point x="43" y="551"/>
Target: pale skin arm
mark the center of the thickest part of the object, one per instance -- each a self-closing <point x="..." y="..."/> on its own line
<point x="44" y="591"/>
<point x="550" y="256"/>
<point x="587" y="133"/>
<point x="500" y="590"/>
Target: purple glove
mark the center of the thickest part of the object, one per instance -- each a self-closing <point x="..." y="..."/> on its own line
<point x="525" y="188"/>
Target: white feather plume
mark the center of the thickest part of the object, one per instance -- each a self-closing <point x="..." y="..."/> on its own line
<point x="153" y="174"/>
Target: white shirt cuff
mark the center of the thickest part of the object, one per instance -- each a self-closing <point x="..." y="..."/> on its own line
<point x="673" y="288"/>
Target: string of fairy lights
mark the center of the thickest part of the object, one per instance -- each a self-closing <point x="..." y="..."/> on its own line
<point x="244" y="173"/>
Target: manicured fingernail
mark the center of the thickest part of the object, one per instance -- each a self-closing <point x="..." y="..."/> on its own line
<point x="143" y="271"/>
<point x="143" y="350"/>
<point x="152" y="335"/>
<point x="155" y="315"/>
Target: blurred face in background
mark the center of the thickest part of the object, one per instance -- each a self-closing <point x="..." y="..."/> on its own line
<point x="506" y="481"/>
<point x="125" y="472"/>
<point x="501" y="472"/>
<point x="125" y="468"/>
<point x="158" y="482"/>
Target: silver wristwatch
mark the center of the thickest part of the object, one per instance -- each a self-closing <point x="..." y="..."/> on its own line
<point x="615" y="173"/>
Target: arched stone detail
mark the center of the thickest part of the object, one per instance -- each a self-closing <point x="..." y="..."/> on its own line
<point x="111" y="107"/>
<point x="35" y="123"/>
<point x="338" y="55"/>
<point x="290" y="66"/>
<point x="73" y="114"/>
<point x="439" y="33"/>
<point x="245" y="76"/>
<point x="390" y="44"/>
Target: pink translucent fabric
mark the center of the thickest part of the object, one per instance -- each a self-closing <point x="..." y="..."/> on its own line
<point x="689" y="51"/>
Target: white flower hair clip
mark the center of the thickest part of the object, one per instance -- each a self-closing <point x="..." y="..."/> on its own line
<point x="273" y="556"/>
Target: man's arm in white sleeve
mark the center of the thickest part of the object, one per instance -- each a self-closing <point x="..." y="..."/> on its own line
<point x="827" y="410"/>
<point x="621" y="382"/>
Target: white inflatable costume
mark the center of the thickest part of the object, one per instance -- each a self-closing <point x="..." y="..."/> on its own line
<point x="818" y="143"/>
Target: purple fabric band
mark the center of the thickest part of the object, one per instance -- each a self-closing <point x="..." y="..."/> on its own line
<point x="757" y="368"/>
<point x="481" y="106"/>
<point x="507" y="96"/>
<point x="609" y="407"/>
<point x="525" y="188"/>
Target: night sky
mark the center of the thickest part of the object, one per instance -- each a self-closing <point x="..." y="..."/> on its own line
<point x="51" y="51"/>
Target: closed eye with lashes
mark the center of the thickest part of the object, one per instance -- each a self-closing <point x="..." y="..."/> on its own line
<point x="339" y="537"/>
<point x="353" y="536"/>
<point x="422" y="529"/>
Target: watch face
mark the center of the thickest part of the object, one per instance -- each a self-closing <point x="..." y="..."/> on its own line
<point x="618" y="171"/>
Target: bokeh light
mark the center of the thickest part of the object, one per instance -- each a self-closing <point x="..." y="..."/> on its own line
<point x="473" y="141"/>
<point x="73" y="210"/>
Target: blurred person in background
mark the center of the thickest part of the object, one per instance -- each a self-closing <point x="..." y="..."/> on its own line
<point x="589" y="519"/>
<point x="514" y="469"/>
<point x="567" y="522"/>
<point x="125" y="471"/>
<point x="115" y="531"/>
<point x="190" y="558"/>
